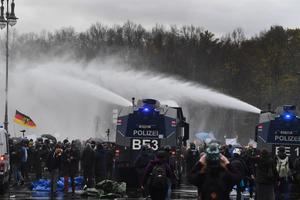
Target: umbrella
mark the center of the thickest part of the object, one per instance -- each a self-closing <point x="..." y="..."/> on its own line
<point x="16" y="140"/>
<point x="49" y="137"/>
<point x="97" y="140"/>
<point x="205" y="137"/>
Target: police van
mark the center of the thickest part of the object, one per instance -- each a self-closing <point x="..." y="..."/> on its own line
<point x="4" y="160"/>
<point x="279" y="128"/>
<point x="148" y="123"/>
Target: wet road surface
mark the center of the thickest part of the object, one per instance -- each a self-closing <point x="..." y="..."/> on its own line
<point x="24" y="192"/>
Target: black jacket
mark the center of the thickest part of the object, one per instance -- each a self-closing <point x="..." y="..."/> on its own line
<point x="88" y="161"/>
<point x="54" y="160"/>
<point x="265" y="170"/>
<point x="100" y="162"/>
<point x="214" y="182"/>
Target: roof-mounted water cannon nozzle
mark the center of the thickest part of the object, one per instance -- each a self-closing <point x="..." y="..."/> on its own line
<point x="269" y="109"/>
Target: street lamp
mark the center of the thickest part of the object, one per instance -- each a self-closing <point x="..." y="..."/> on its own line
<point x="9" y="19"/>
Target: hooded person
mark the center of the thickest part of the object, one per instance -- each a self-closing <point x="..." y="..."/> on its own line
<point x="156" y="174"/>
<point x="213" y="175"/>
<point x="100" y="163"/>
<point x="141" y="162"/>
<point x="88" y="165"/>
<point x="191" y="157"/>
<point x="54" y="165"/>
<point x="239" y="165"/>
<point x="266" y="176"/>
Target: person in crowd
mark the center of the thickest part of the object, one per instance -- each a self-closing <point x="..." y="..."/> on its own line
<point x="37" y="160"/>
<point x="93" y="144"/>
<point x="141" y="162"/>
<point x="171" y="159"/>
<point x="249" y="156"/>
<point x="213" y="175"/>
<point x="100" y="163"/>
<point x="54" y="165"/>
<point x="45" y="153"/>
<point x="88" y="165"/>
<point x="266" y="176"/>
<point x="242" y="169"/>
<point x="15" y="158"/>
<point x="66" y="143"/>
<point x="70" y="162"/>
<point x="24" y="159"/>
<point x="296" y="174"/>
<point x="156" y="176"/>
<point x="109" y="161"/>
<point x="283" y="167"/>
<point x="30" y="160"/>
<point x="66" y="165"/>
<point x="191" y="157"/>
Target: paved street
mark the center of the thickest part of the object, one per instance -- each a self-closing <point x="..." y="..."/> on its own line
<point x="24" y="192"/>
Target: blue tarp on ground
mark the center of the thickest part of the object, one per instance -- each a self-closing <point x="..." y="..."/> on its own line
<point x="44" y="184"/>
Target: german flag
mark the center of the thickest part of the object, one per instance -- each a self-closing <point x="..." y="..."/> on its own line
<point x="24" y="120"/>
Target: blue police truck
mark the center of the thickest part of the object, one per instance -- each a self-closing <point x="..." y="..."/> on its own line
<point x="280" y="128"/>
<point x="148" y="123"/>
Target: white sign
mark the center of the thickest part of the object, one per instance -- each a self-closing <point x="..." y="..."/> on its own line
<point x="252" y="143"/>
<point x="232" y="141"/>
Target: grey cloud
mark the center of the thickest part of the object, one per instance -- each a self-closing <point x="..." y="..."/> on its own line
<point x="218" y="16"/>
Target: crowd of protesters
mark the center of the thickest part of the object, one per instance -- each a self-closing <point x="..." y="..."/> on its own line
<point x="218" y="170"/>
<point x="44" y="158"/>
<point x="215" y="169"/>
<point x="256" y="171"/>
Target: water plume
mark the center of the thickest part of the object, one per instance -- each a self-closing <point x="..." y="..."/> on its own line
<point x="75" y="100"/>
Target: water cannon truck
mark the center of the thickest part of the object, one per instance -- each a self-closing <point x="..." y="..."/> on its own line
<point x="279" y="128"/>
<point x="148" y="123"/>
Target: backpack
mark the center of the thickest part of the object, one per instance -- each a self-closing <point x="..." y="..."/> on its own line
<point x="282" y="167"/>
<point x="159" y="176"/>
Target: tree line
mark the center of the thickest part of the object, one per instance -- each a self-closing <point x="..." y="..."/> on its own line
<point x="259" y="70"/>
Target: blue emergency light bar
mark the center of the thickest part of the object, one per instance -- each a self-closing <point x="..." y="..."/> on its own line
<point x="287" y="116"/>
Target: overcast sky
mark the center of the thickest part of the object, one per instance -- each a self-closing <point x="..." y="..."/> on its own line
<point x="217" y="16"/>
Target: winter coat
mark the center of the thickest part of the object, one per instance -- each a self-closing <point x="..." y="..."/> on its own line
<point x="100" y="163"/>
<point x="217" y="182"/>
<point x="192" y="156"/>
<point x="240" y="166"/>
<point x="265" y="170"/>
<point x="36" y="156"/>
<point x="55" y="160"/>
<point x="88" y="161"/>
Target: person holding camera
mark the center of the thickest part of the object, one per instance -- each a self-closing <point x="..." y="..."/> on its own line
<point x="213" y="175"/>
